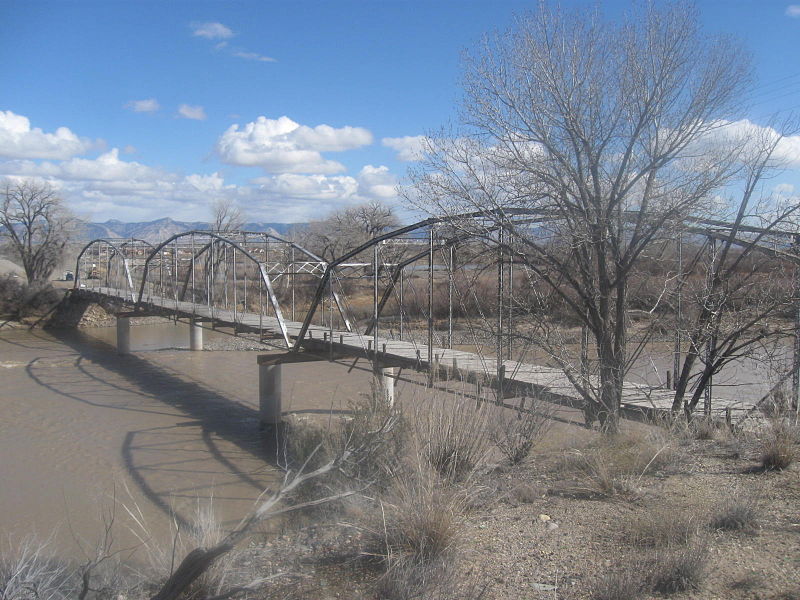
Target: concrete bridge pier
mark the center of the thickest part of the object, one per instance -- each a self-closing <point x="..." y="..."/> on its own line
<point x="269" y="393"/>
<point x="195" y="335"/>
<point x="123" y="334"/>
<point x="386" y="381"/>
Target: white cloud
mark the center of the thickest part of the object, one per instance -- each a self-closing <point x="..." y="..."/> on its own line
<point x="252" y="56"/>
<point x="108" y="187"/>
<point x="212" y="31"/>
<point x="19" y="140"/>
<point x="148" y="105"/>
<point x="113" y="186"/>
<point x="408" y="148"/>
<point x="309" y="187"/>
<point x="377" y="183"/>
<point x="188" y="111"/>
<point x="787" y="151"/>
<point x="793" y="10"/>
<point x="283" y="146"/>
<point x="372" y="183"/>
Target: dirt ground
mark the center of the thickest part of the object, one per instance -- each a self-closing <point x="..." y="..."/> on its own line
<point x="536" y="531"/>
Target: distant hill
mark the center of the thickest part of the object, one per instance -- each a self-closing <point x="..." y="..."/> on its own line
<point x="160" y="229"/>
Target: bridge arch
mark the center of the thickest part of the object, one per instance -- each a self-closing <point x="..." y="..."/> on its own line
<point x="219" y="252"/>
<point x="125" y="250"/>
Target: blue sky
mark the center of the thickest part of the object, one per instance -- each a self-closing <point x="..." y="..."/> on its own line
<point x="140" y="110"/>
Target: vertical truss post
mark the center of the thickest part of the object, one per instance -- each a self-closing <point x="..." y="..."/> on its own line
<point x="500" y="302"/>
<point x="585" y="356"/>
<point x="235" y="294"/>
<point x="244" y="274"/>
<point x="161" y="272"/>
<point x="510" y="326"/>
<point x="450" y="300"/>
<point x="430" y="307"/>
<point x="676" y="360"/>
<point x="796" y="353"/>
<point x="375" y="306"/>
<point x="402" y="308"/>
<point x="330" y="318"/>
<point x="175" y="277"/>
<point x="191" y="238"/>
<point x="225" y="282"/>
<point x="292" y="274"/>
<point x="712" y="338"/>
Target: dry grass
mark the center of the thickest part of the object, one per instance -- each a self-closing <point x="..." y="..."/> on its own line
<point x="453" y="436"/>
<point x="420" y="521"/>
<point x="675" y="570"/>
<point x="619" y="585"/>
<point x="778" y="445"/>
<point x="661" y="527"/>
<point x="515" y="433"/>
<point x="736" y="514"/>
<point x="704" y="428"/>
<point x="26" y="571"/>
<point x="613" y="467"/>
<point x="435" y="580"/>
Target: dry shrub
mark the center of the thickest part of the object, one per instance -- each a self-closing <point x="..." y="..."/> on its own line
<point x="421" y="520"/>
<point x="374" y="461"/>
<point x="430" y="581"/>
<point x="662" y="527"/>
<point x="704" y="428"/>
<point x="416" y="538"/>
<point x="515" y="433"/>
<point x="736" y="514"/>
<point x="18" y="299"/>
<point x="525" y="493"/>
<point x="778" y="445"/>
<point x="26" y="571"/>
<point x="205" y="531"/>
<point x="615" y="465"/>
<point x="453" y="436"/>
<point x="619" y="585"/>
<point x="678" y="569"/>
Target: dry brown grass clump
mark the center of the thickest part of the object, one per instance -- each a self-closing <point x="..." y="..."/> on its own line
<point x="27" y="571"/>
<point x="420" y="521"/>
<point x="614" y="466"/>
<point x="662" y="527"/>
<point x="736" y="514"/>
<point x="415" y="537"/>
<point x="454" y="436"/>
<point x="675" y="570"/>
<point x="515" y="433"/>
<point x="619" y="585"/>
<point x="778" y="445"/>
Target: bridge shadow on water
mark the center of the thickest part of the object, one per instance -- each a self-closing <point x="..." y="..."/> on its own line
<point x="172" y="464"/>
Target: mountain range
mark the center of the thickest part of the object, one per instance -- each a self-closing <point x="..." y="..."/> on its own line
<point x="161" y="229"/>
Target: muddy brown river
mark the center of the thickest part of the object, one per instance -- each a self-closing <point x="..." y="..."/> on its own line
<point x="84" y="431"/>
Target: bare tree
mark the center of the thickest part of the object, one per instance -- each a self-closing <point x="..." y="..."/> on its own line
<point x="348" y="228"/>
<point x="37" y="225"/>
<point x="226" y="215"/>
<point x="606" y="134"/>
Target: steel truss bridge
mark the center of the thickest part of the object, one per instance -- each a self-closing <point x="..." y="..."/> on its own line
<point x="395" y="300"/>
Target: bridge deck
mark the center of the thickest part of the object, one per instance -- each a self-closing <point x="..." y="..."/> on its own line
<point x="519" y="377"/>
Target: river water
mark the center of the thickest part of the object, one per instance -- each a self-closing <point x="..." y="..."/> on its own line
<point x="85" y="432"/>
